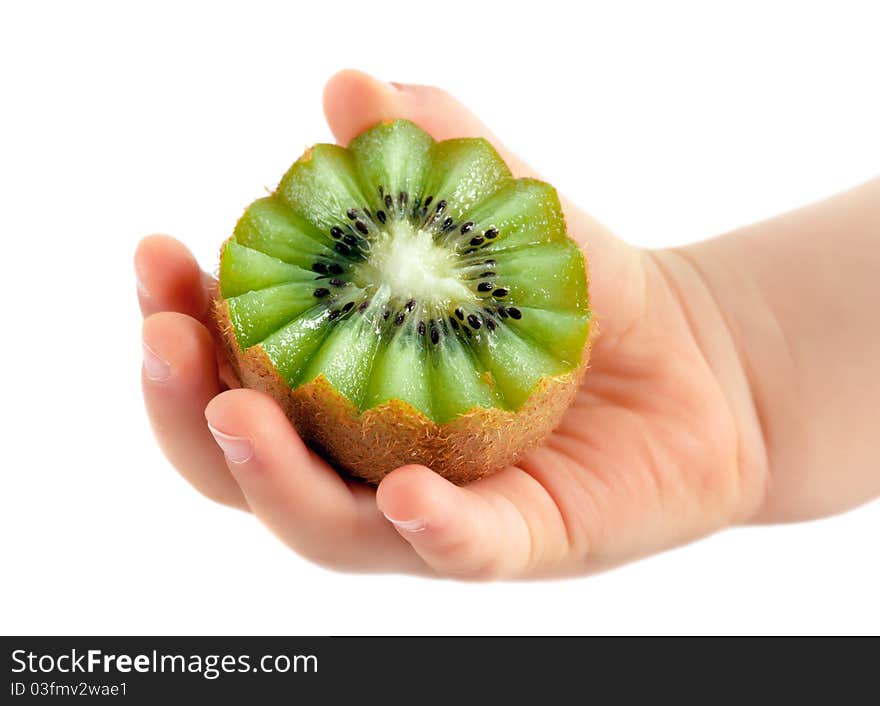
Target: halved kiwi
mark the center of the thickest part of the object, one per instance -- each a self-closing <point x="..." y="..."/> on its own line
<point x="408" y="301"/>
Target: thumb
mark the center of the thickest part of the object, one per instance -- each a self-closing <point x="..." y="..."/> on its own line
<point x="355" y="101"/>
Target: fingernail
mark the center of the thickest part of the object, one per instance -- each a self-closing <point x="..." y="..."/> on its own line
<point x="236" y="448"/>
<point x="416" y="525"/>
<point x="157" y="370"/>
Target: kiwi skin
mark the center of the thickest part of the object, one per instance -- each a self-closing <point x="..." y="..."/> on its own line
<point x="373" y="443"/>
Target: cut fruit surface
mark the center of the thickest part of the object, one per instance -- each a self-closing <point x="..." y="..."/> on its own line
<point x="463" y="173"/>
<point x="408" y="301"/>
<point x="291" y="348"/>
<point x="271" y="228"/>
<point x="257" y="314"/>
<point x="243" y="270"/>
<point x="401" y="372"/>
<point x="459" y="382"/>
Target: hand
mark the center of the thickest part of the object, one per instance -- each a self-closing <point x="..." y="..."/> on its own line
<point x="661" y="446"/>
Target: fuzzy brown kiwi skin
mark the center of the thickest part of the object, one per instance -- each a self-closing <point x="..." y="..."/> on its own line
<point x="371" y="444"/>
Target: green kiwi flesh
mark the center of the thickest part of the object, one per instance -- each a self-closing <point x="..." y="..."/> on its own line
<point x="416" y="281"/>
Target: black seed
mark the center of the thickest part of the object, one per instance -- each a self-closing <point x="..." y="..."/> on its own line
<point x="336" y="232"/>
<point x="349" y="239"/>
<point x="423" y="212"/>
<point x="491" y="233"/>
<point x="402" y="197"/>
<point x="337" y="282"/>
<point x="441" y="204"/>
<point x="469" y="251"/>
<point x="485" y="286"/>
<point x="501" y="292"/>
<point x="333" y="315"/>
<point x="347" y="307"/>
<point x="421" y="328"/>
<point x="514" y="312"/>
<point x="474" y="321"/>
<point x="342" y="249"/>
<point x="448" y="223"/>
<point x="362" y="227"/>
<point x="428" y="200"/>
<point x="320" y="268"/>
<point x="502" y="312"/>
<point x="335" y="268"/>
<point x="399" y="319"/>
<point x="468" y="332"/>
<point x="389" y="202"/>
<point x="381" y="190"/>
<point x="454" y="322"/>
<point x="435" y="336"/>
<point x="381" y="216"/>
<point x="467" y="227"/>
<point x="352" y="214"/>
<point x="477" y="240"/>
<point x="410" y="305"/>
<point x="491" y="263"/>
<point x="321" y="292"/>
<point x="363" y="305"/>
<point x="488" y="274"/>
<point x="490" y="324"/>
<point x="460" y="314"/>
<point x="367" y="211"/>
<point x="385" y="314"/>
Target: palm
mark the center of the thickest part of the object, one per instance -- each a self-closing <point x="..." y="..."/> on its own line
<point x="647" y="456"/>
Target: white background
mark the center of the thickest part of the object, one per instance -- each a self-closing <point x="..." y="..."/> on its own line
<point x="669" y="123"/>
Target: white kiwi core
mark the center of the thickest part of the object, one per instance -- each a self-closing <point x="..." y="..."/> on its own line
<point x="407" y="261"/>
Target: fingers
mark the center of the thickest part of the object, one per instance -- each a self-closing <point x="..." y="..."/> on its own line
<point x="179" y="378"/>
<point x="474" y="532"/>
<point x="355" y="101"/>
<point x="296" y="494"/>
<point x="169" y="279"/>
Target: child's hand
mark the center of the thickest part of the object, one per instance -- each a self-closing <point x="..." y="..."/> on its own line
<point x="663" y="444"/>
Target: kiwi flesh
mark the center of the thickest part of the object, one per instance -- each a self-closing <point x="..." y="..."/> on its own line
<point x="408" y="301"/>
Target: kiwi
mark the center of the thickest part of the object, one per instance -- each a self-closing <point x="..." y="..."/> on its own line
<point x="408" y="301"/>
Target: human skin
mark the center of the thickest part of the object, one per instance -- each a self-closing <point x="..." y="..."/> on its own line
<point x="732" y="381"/>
